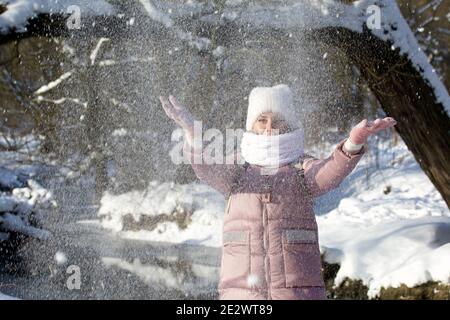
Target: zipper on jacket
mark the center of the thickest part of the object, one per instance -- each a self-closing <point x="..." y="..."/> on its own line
<point x="266" y="254"/>
<point x="227" y="210"/>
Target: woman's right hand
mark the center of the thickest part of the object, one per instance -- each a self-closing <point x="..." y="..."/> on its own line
<point x="178" y="113"/>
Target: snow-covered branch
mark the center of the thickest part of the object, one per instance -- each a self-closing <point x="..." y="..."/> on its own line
<point x="53" y="84"/>
<point x="200" y="43"/>
<point x="23" y="204"/>
<point x="61" y="100"/>
<point x="94" y="52"/>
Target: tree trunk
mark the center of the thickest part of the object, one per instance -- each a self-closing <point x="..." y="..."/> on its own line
<point x="422" y="122"/>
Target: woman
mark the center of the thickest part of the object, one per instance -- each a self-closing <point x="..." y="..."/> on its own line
<point x="270" y="236"/>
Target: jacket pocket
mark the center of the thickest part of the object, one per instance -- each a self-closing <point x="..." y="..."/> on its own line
<point x="301" y="254"/>
<point x="235" y="263"/>
<point x="300" y="236"/>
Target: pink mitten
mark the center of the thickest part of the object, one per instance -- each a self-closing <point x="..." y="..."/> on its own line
<point x="360" y="133"/>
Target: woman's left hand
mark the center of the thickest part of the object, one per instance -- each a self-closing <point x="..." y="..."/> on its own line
<point x="360" y="133"/>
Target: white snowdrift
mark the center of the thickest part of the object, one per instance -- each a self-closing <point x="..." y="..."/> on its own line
<point x="409" y="251"/>
<point x="6" y="297"/>
<point x="389" y="239"/>
<point x="205" y="203"/>
<point x="25" y="202"/>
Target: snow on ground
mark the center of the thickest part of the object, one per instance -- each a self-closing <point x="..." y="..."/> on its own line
<point x="205" y="203"/>
<point x="390" y="228"/>
<point x="6" y="297"/>
<point x="388" y="237"/>
<point x="23" y="204"/>
<point x="389" y="253"/>
<point x="23" y="201"/>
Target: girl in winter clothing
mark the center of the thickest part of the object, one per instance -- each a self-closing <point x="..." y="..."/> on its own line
<point x="270" y="237"/>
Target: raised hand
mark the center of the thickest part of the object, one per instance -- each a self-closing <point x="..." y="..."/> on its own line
<point x="178" y="113"/>
<point x="360" y="133"/>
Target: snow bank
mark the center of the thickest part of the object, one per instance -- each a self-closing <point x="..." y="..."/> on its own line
<point x="204" y="205"/>
<point x="392" y="229"/>
<point x="409" y="252"/>
<point x="6" y="297"/>
<point x="23" y="203"/>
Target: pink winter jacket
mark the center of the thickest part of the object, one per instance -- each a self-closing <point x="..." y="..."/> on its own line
<point x="270" y="246"/>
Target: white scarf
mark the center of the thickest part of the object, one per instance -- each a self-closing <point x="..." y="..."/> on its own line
<point x="272" y="151"/>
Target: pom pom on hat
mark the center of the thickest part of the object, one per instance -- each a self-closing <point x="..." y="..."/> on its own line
<point x="279" y="99"/>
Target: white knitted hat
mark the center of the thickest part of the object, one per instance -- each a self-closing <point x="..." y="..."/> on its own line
<point x="278" y="98"/>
